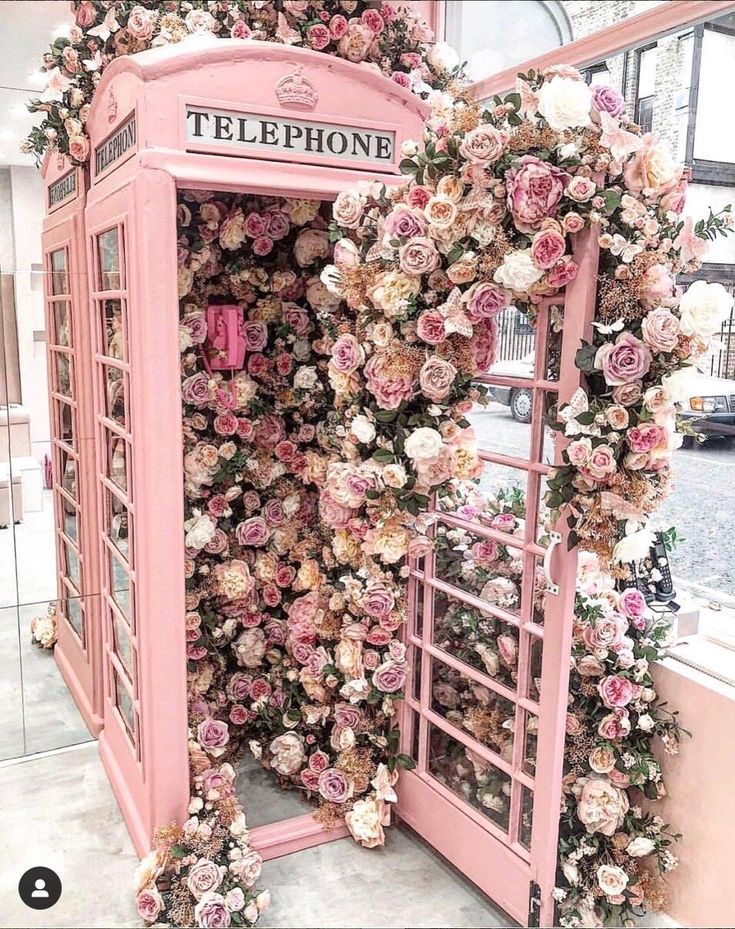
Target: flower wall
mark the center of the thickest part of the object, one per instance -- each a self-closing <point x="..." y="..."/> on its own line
<point x="395" y="41"/>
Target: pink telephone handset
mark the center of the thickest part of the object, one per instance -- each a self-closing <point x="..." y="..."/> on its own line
<point x="225" y="342"/>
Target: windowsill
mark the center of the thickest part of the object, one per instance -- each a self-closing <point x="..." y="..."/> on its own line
<point x="711" y="649"/>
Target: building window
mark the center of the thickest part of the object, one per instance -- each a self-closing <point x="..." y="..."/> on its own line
<point x="492" y="35"/>
<point x="646" y="88"/>
<point x="597" y="74"/>
<point x="682" y="93"/>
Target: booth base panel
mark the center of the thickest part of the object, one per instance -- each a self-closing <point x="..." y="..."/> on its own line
<point x="92" y="719"/>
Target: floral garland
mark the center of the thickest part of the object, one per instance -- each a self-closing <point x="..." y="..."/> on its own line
<point x="397" y="41"/>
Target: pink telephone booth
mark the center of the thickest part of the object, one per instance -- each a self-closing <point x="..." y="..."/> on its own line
<point x="190" y="117"/>
<point x="78" y="651"/>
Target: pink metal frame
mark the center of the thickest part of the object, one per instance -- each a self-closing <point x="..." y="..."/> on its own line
<point x="78" y="656"/>
<point x="149" y="772"/>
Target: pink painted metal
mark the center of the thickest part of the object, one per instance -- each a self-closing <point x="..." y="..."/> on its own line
<point x="68" y="340"/>
<point x="505" y="857"/>
<point x="657" y="22"/>
<point x="139" y="160"/>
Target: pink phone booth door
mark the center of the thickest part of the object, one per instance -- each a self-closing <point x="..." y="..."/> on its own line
<point x="485" y="709"/>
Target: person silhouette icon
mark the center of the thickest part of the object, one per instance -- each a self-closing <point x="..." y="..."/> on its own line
<point x="40" y="890"/>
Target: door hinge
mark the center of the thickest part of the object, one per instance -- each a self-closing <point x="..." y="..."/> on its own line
<point x="534" y="905"/>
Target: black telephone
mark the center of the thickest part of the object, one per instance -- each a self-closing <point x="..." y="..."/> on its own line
<point x="652" y="575"/>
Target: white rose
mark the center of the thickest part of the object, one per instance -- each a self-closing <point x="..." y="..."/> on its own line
<point x="423" y="443"/>
<point x="570" y="872"/>
<point x="633" y="547"/>
<point x="362" y="429"/>
<point x="611" y="879"/>
<point x="518" y="271"/>
<point x="646" y="722"/>
<point x="394" y="475"/>
<point x="305" y="378"/>
<point x="288" y="754"/>
<point x="640" y="847"/>
<point x="409" y="148"/>
<point x="199" y="531"/>
<point x="442" y="57"/>
<point x="703" y="308"/>
<point x="565" y="103"/>
<point x="680" y="385"/>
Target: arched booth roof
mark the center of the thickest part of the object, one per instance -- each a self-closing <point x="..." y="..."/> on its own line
<point x="280" y="114"/>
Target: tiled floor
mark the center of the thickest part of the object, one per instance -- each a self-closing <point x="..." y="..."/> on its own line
<point x="58" y="810"/>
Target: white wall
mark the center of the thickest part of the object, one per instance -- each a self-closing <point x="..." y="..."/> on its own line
<point x="26" y="189"/>
<point x="700" y="197"/>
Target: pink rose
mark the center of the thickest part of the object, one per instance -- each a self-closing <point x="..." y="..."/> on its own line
<point x="616" y="691"/>
<point x="86" y="14"/>
<point x="149" y="904"/>
<point x="263" y="246"/>
<point x="419" y="196"/>
<point x="402" y="79"/>
<point x="674" y="199"/>
<point x="334" y="786"/>
<point x="195" y="389"/>
<point x="655" y="287"/>
<point x="430" y="327"/>
<point x="606" y="632"/>
<point x="296" y="317"/>
<point x="625" y="360"/>
<point x="485" y="300"/>
<point x="310" y="779"/>
<point x="581" y="189"/>
<point x="347" y="354"/>
<point x="255" y="334"/>
<point x="318" y="36"/>
<point x="436" y="378"/>
<point x="644" y="437"/>
<point x="485" y="552"/>
<point x="601" y="463"/>
<point x="418" y="256"/>
<point x="334" y="514"/>
<point x="225" y="424"/>
<point x="547" y="248"/>
<point x="253" y="532"/>
<point x="628" y="395"/>
<point x="660" y="330"/>
<point x="402" y="223"/>
<point x="563" y="272"/>
<point x="338" y="26"/>
<point x="240" y="30"/>
<point x="213" y="735"/>
<point x="483" y="145"/>
<point x="615" y="725"/>
<point x="508" y="650"/>
<point x="355" y="43"/>
<point x="373" y="20"/>
<point x="607" y="100"/>
<point x="485" y="344"/>
<point x="389" y="387"/>
<point x="632" y="603"/>
<point x="254" y="225"/>
<point x="211" y="912"/>
<point x="319" y="761"/>
<point x="534" y="191"/>
<point x="378" y="601"/>
<point x="389" y="677"/>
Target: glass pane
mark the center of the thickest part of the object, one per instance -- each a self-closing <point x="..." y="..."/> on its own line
<point x="75" y="615"/>
<point x="59" y="275"/>
<point x="66" y="471"/>
<point x="539" y="592"/>
<point x="119" y="585"/>
<point x="418" y="626"/>
<point x="114" y="387"/>
<point x="469" y="776"/>
<point x="480" y="566"/>
<point x="73" y="570"/>
<point x="117" y="524"/>
<point x="64" y="421"/>
<point x="70" y="522"/>
<point x="479" y="640"/>
<point x="502" y="426"/>
<point x="524" y="835"/>
<point x="113" y="335"/>
<point x="116" y="461"/>
<point x="60" y="316"/>
<point x="123" y="644"/>
<point x="415" y="665"/>
<point x="536" y="650"/>
<point x="109" y="257"/>
<point x="473" y="708"/>
<point x="124" y="703"/>
<point x="531" y="744"/>
<point x="63" y="381"/>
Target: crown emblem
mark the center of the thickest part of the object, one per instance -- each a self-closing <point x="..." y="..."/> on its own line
<point x="111" y="106"/>
<point x="297" y="91"/>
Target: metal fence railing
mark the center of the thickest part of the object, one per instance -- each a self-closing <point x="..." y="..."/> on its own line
<point x="721" y="362"/>
<point x="515" y="335"/>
